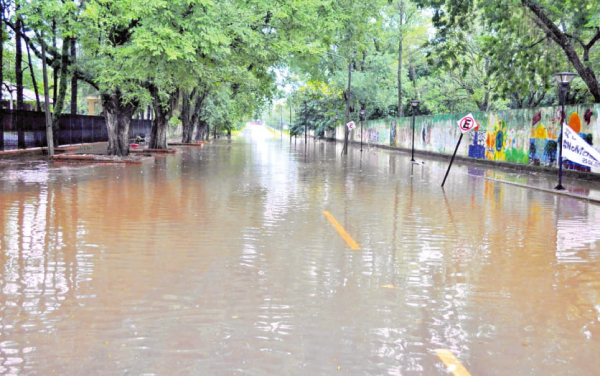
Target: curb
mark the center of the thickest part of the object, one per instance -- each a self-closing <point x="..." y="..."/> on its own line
<point x="585" y="176"/>
<point x="552" y="191"/>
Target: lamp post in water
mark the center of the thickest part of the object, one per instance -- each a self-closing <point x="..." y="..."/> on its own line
<point x="362" y="118"/>
<point x="564" y="80"/>
<point x="415" y="105"/>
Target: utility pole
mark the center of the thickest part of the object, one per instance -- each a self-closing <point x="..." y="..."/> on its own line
<point x="347" y="132"/>
<point x="305" y="128"/>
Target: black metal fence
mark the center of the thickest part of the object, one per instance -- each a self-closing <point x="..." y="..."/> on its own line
<point x="73" y="129"/>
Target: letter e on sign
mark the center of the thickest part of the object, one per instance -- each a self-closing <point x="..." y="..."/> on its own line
<point x="467" y="123"/>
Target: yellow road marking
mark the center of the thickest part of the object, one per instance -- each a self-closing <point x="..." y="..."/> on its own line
<point x="353" y="245"/>
<point x="452" y="363"/>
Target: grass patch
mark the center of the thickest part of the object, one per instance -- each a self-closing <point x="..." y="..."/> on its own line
<point x="275" y="132"/>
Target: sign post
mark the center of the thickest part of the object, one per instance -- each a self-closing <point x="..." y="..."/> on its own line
<point x="465" y="125"/>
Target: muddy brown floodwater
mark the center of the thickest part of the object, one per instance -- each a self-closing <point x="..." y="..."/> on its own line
<point x="220" y="261"/>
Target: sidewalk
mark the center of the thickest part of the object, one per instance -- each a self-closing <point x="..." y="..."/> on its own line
<point x="542" y="181"/>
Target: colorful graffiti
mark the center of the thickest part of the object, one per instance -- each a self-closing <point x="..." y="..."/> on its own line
<point x="477" y="148"/>
<point x="529" y="136"/>
<point x="543" y="144"/>
<point x="498" y="143"/>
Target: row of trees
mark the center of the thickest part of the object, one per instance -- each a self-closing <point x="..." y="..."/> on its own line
<point x="206" y="61"/>
<point x="452" y="55"/>
<point x="215" y="62"/>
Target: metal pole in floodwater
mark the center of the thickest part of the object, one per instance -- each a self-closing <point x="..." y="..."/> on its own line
<point x="452" y="160"/>
<point x="362" y="118"/>
<point x="305" y="129"/>
<point x="414" y="104"/>
<point x="563" y="79"/>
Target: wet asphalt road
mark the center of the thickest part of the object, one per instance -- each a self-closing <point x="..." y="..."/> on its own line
<point x="254" y="257"/>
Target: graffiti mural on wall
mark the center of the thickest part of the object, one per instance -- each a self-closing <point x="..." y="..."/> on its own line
<point x="527" y="136"/>
<point x="543" y="144"/>
<point x="498" y="142"/>
<point x="477" y="148"/>
<point x="539" y="146"/>
<point x="373" y="135"/>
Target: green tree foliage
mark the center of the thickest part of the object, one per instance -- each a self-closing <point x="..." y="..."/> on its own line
<point x="318" y="107"/>
<point x="523" y="36"/>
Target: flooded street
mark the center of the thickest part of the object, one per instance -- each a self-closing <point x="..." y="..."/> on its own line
<point x="224" y="260"/>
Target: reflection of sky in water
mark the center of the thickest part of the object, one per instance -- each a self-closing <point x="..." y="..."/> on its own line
<point x="578" y="236"/>
<point x="37" y="175"/>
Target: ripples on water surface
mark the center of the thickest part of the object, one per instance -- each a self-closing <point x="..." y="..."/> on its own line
<point x="219" y="261"/>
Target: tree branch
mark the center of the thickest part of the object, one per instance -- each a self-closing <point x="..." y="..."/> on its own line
<point x="546" y="24"/>
<point x="588" y="47"/>
<point x="536" y="43"/>
<point x="576" y="38"/>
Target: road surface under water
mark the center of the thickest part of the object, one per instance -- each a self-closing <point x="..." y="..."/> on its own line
<point x="224" y="260"/>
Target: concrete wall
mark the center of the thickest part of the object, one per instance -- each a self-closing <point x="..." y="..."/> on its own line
<point x="518" y="136"/>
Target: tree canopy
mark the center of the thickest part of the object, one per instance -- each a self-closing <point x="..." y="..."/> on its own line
<point x="209" y="64"/>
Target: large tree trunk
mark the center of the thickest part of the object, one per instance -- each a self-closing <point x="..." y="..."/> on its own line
<point x="60" y="102"/>
<point x="158" y="135"/>
<point x="49" y="135"/>
<point x="186" y="121"/>
<point x="196" y="113"/>
<point x="193" y="114"/>
<point x="206" y="130"/>
<point x="202" y="131"/>
<point x="118" y="117"/>
<point x="19" y="80"/>
<point x="74" y="78"/>
<point x="162" y="115"/>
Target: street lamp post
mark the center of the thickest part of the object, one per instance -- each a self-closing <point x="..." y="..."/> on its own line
<point x="564" y="80"/>
<point x="305" y="129"/>
<point x="415" y="105"/>
<point x="362" y="118"/>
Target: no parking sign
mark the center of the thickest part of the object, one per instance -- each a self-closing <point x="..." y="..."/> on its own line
<point x="467" y="123"/>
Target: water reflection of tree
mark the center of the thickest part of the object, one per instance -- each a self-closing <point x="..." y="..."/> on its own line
<point x="39" y="242"/>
